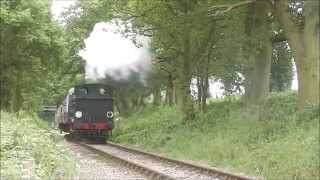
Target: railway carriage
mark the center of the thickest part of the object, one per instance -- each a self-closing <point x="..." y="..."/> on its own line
<point x="87" y="111"/>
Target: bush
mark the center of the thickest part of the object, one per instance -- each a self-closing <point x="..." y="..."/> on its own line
<point x="29" y="151"/>
<point x="272" y="140"/>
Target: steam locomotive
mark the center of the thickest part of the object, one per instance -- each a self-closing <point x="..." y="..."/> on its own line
<point x="87" y="111"/>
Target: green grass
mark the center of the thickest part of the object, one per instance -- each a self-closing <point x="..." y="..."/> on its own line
<point x="29" y="150"/>
<point x="272" y="140"/>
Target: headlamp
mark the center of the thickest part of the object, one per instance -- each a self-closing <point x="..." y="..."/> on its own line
<point x="109" y="114"/>
<point x="78" y="114"/>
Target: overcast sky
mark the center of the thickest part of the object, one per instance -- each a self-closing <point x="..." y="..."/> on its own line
<point x="58" y="6"/>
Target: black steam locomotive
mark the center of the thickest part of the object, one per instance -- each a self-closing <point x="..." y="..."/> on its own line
<point x="87" y="111"/>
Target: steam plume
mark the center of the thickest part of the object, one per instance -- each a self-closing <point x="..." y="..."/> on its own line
<point x="107" y="52"/>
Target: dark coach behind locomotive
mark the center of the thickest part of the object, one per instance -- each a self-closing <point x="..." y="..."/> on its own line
<point x="87" y="110"/>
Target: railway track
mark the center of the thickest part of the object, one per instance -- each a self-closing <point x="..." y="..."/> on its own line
<point x="159" y="167"/>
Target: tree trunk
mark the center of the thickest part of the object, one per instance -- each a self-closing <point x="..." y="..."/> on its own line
<point x="304" y="43"/>
<point x="200" y="88"/>
<point x="185" y="103"/>
<point x="116" y="104"/>
<point x="134" y="104"/>
<point x="184" y="78"/>
<point x="259" y="77"/>
<point x="175" y="93"/>
<point x="124" y="107"/>
<point x="17" y="96"/>
<point x="156" y="97"/>
<point x="140" y="102"/>
<point x="169" y="93"/>
<point x="205" y="86"/>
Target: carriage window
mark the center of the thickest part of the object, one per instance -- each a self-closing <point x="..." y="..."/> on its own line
<point x="102" y="91"/>
<point x="83" y="91"/>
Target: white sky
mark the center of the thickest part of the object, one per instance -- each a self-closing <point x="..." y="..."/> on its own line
<point x="294" y="85"/>
<point x="107" y="50"/>
<point x="58" y="6"/>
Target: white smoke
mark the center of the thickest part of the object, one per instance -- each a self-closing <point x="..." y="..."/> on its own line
<point x="108" y="52"/>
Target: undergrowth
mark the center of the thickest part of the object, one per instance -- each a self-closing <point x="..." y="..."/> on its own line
<point x="271" y="141"/>
<point x="29" y="150"/>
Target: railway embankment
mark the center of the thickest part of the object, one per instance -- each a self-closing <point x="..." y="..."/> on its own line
<point x="268" y="140"/>
<point x="30" y="151"/>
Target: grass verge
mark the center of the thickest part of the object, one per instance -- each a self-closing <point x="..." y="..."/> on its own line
<point x="29" y="150"/>
<point x="272" y="140"/>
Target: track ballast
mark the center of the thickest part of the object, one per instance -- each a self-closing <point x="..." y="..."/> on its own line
<point x="159" y="167"/>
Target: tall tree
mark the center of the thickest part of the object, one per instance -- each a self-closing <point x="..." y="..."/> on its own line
<point x="259" y="32"/>
<point x="178" y="25"/>
<point x="300" y="22"/>
<point x="303" y="33"/>
<point x="33" y="52"/>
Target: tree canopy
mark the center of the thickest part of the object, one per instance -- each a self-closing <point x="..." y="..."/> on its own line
<point x="248" y="45"/>
<point x="36" y="57"/>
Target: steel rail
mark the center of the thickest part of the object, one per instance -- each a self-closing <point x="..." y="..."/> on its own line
<point x="208" y="170"/>
<point x="142" y="169"/>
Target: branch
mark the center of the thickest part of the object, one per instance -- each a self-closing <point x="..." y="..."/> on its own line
<point x="132" y="15"/>
<point x="165" y="59"/>
<point x="165" y="70"/>
<point x="161" y="60"/>
<point x="146" y="32"/>
<point x="227" y="7"/>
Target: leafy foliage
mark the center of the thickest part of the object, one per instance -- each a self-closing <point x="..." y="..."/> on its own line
<point x="281" y="68"/>
<point x="29" y="150"/>
<point x="39" y="62"/>
<point x="188" y="43"/>
<point x="271" y="141"/>
<point x="34" y="53"/>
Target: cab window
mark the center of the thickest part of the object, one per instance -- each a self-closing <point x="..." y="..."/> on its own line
<point x="102" y="91"/>
<point x="83" y="91"/>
